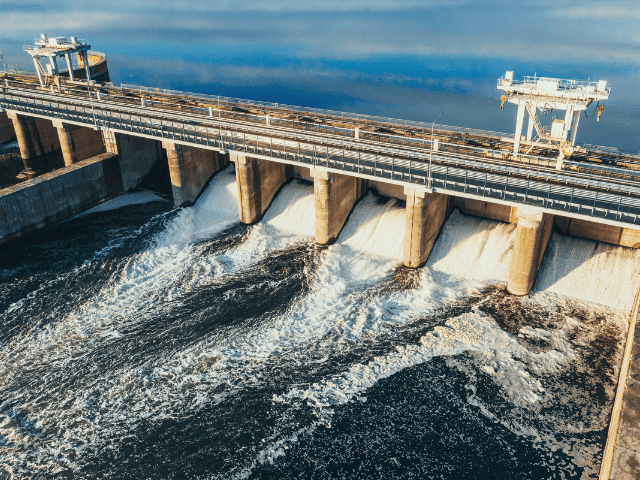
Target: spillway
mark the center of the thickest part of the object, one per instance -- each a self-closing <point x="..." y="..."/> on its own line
<point x="262" y="353"/>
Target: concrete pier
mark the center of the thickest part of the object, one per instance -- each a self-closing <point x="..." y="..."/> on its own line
<point x="190" y="169"/>
<point x="335" y="196"/>
<point x="532" y="235"/>
<point x="36" y="136"/>
<point x="425" y="215"/>
<point x="78" y="143"/>
<point x="258" y="182"/>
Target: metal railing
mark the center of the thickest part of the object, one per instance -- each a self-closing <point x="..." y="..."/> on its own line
<point x="317" y="111"/>
<point x="540" y="167"/>
<point x="462" y="177"/>
<point x="563" y="84"/>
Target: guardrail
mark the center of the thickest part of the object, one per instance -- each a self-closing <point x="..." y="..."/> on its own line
<point x="307" y="110"/>
<point x="499" y="184"/>
<point x="480" y="157"/>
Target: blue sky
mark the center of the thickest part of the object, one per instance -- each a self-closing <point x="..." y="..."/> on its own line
<point x="407" y="59"/>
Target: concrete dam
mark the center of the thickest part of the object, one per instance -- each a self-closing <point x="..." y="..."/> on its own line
<point x="232" y="159"/>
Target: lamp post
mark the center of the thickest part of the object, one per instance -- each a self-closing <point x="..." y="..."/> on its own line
<point x="431" y="152"/>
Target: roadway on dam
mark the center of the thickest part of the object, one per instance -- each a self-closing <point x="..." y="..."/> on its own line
<point x="600" y="186"/>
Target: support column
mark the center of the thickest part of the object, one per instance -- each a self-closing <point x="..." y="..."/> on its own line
<point x="66" y="142"/>
<point x="86" y="66"/>
<point x="69" y="66"/>
<point x="258" y="181"/>
<point x="531" y="122"/>
<point x="519" y="122"/>
<point x="22" y="133"/>
<point x="532" y="235"/>
<point x="335" y="196"/>
<point x="190" y="169"/>
<point x="425" y="214"/>
<point x="574" y="128"/>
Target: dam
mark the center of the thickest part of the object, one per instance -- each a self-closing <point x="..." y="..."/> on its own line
<point x="307" y="217"/>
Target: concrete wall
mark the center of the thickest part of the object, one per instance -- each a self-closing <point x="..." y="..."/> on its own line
<point x="55" y="196"/>
<point x="494" y="211"/>
<point x="258" y="182"/>
<point x="137" y="156"/>
<point x="388" y="190"/>
<point x="87" y="142"/>
<point x="303" y="173"/>
<point x="190" y="169"/>
<point x="78" y="143"/>
<point x="597" y="231"/>
<point x="335" y="196"/>
<point x="576" y="227"/>
<point x="425" y="214"/>
<point x="6" y="128"/>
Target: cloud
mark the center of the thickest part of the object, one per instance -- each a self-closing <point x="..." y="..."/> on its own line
<point x="239" y="6"/>
<point x="598" y="12"/>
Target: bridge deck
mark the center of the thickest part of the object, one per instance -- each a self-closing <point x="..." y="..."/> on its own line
<point x="466" y="164"/>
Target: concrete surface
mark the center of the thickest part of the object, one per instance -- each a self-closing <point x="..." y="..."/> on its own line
<point x="137" y="155"/>
<point x="55" y="196"/>
<point x="190" y="169"/>
<point x="532" y="235"/>
<point x="425" y="214"/>
<point x="626" y="454"/>
<point x="335" y="196"/>
<point x="258" y="181"/>
<point x="6" y="128"/>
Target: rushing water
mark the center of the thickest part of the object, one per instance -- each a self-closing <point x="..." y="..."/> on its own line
<point x="142" y="341"/>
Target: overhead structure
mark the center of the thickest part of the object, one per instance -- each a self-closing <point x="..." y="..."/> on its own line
<point x="51" y="49"/>
<point x="541" y="94"/>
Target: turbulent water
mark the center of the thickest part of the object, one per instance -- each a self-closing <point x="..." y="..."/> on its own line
<point x="141" y="341"/>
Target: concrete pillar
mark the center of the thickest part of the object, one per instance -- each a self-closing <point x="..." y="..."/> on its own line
<point x="425" y="215"/>
<point x="531" y="121"/>
<point x="66" y="142"/>
<point x="519" y="122"/>
<point x="258" y="181"/>
<point x="335" y="196"/>
<point x="532" y="235"/>
<point x="190" y="169"/>
<point x="22" y="133"/>
<point x="78" y="143"/>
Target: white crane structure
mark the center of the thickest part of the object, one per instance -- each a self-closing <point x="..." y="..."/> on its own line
<point x="544" y="94"/>
<point x="54" y="47"/>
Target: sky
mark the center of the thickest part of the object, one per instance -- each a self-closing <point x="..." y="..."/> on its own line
<point x="406" y="59"/>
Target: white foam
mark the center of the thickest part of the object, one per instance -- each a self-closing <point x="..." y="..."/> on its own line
<point x="344" y="306"/>
<point x="289" y="220"/>
<point x="474" y="249"/>
<point x="590" y="271"/>
<point x="135" y="198"/>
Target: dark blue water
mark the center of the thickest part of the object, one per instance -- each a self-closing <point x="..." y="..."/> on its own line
<point x="149" y="342"/>
<point x="142" y="341"/>
<point x="408" y="60"/>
